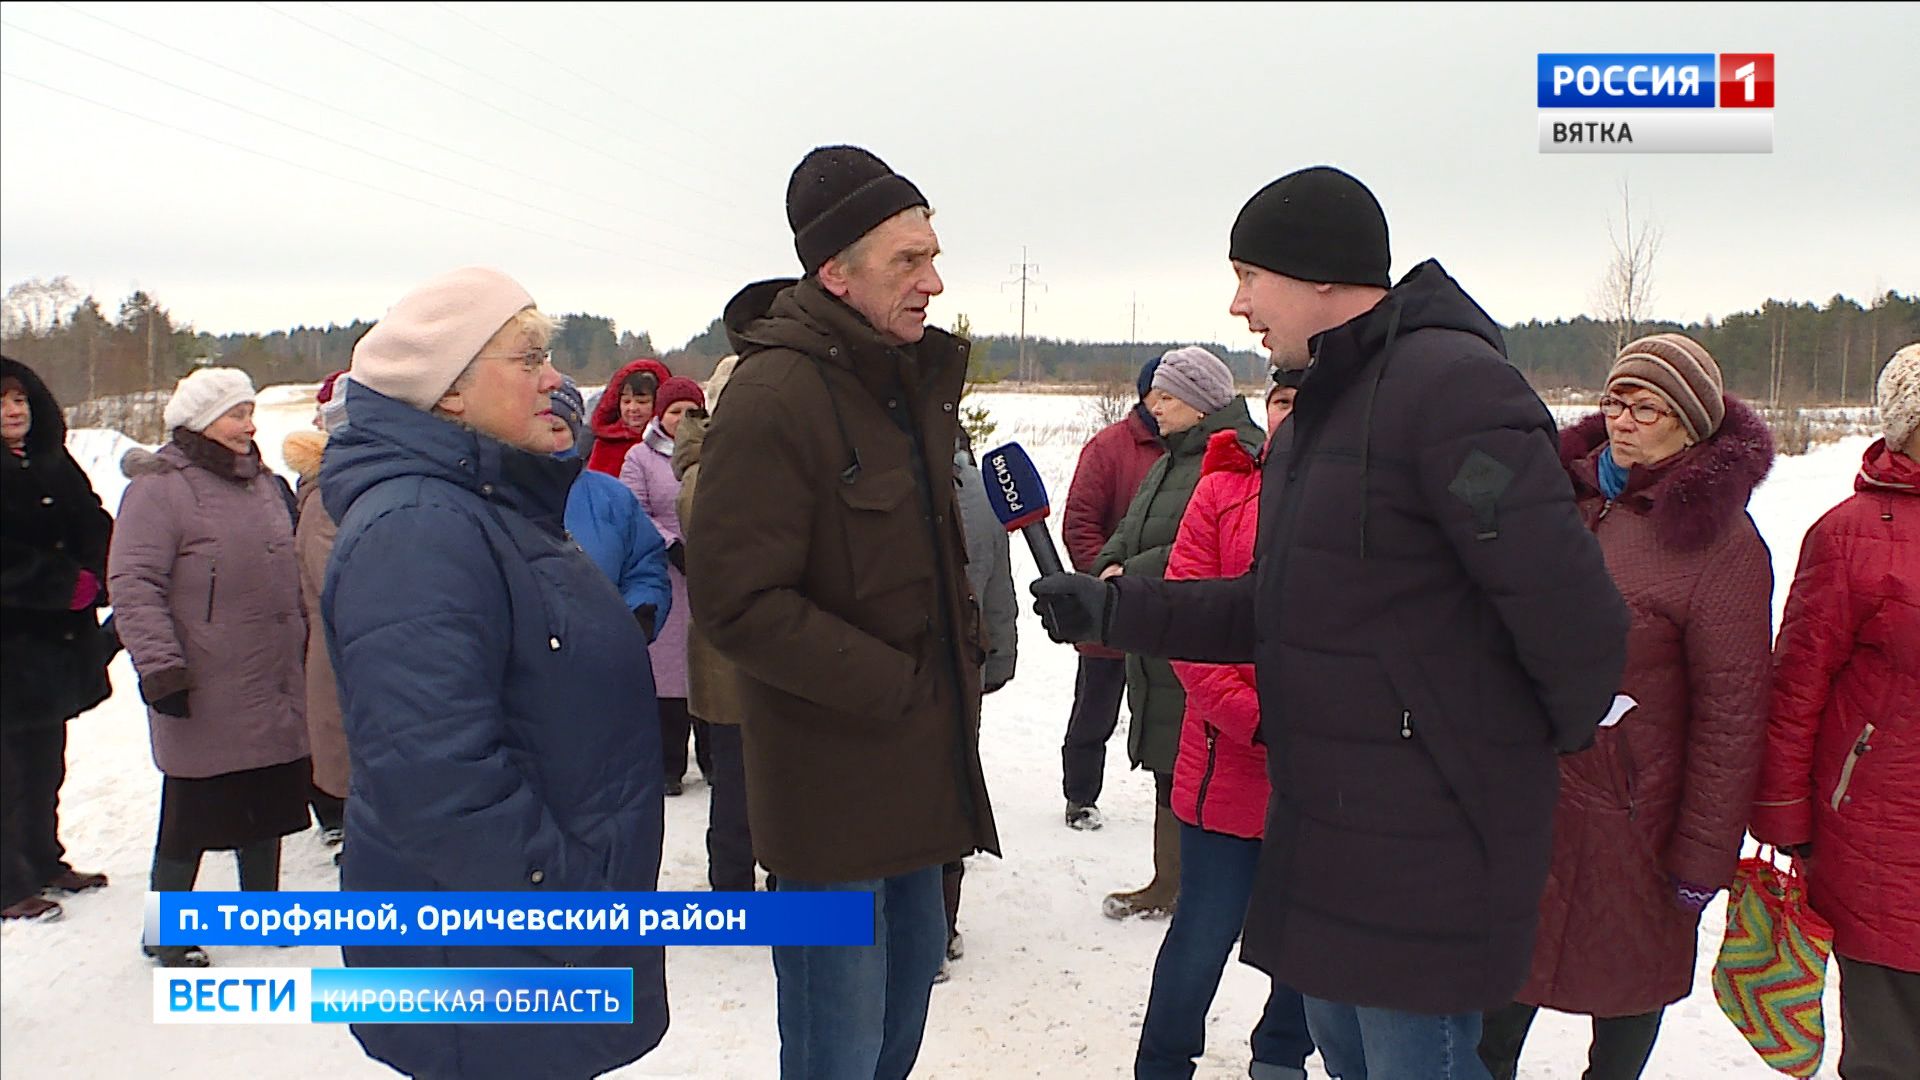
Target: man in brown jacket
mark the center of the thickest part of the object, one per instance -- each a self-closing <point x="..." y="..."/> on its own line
<point x="830" y="566"/>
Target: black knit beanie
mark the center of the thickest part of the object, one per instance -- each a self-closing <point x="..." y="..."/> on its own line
<point x="1318" y="225"/>
<point x="839" y="194"/>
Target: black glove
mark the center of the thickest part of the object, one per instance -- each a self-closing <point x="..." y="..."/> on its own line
<point x="644" y="616"/>
<point x="1073" y="607"/>
<point x="677" y="555"/>
<point x="166" y="691"/>
<point x="174" y="705"/>
<point x="992" y="686"/>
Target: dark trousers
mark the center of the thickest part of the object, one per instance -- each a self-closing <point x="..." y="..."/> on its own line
<point x="259" y="869"/>
<point x="329" y="811"/>
<point x="1621" y="1044"/>
<point x="33" y="765"/>
<point x="729" y="840"/>
<point x="1216" y="882"/>
<point x="1097" y="691"/>
<point x="1879" y="1021"/>
<point x="674" y="725"/>
<point x="951" y="875"/>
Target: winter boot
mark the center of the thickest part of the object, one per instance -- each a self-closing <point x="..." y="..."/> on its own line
<point x="33" y="909"/>
<point x="260" y="866"/>
<point x="1084" y="817"/>
<point x="1158" y="898"/>
<point x="177" y="956"/>
<point x="175" y="875"/>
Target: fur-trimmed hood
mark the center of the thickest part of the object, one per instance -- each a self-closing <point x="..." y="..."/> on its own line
<point x="1694" y="496"/>
<point x="141" y="461"/>
<point x="302" y="451"/>
<point x="1227" y="452"/>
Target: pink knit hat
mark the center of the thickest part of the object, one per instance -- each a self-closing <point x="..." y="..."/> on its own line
<point x="430" y="336"/>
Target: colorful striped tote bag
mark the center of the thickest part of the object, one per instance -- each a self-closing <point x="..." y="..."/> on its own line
<point x="1772" y="970"/>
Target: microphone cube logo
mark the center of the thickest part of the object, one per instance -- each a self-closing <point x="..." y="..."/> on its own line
<point x="1655" y="103"/>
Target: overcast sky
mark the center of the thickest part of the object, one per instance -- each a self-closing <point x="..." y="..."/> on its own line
<point x="632" y="161"/>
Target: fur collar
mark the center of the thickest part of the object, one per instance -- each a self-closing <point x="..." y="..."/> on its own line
<point x="1694" y="496"/>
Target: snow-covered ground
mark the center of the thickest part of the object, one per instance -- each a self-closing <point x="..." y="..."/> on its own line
<point x="1049" y="988"/>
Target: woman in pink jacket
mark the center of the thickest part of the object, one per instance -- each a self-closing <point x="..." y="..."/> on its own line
<point x="648" y="473"/>
<point x="1220" y="790"/>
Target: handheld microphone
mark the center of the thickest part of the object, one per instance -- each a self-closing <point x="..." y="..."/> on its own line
<point x="1020" y="502"/>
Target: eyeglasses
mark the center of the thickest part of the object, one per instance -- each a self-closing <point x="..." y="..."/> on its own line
<point x="530" y="362"/>
<point x="1644" y="412"/>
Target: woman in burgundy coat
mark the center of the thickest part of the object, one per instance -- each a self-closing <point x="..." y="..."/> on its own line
<point x="1842" y="771"/>
<point x="1650" y="818"/>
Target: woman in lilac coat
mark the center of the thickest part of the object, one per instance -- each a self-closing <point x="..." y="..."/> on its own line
<point x="648" y="473"/>
<point x="206" y="597"/>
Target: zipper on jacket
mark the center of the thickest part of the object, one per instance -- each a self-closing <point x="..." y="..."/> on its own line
<point x="1406" y="723"/>
<point x="1860" y="748"/>
<point x="213" y="586"/>
<point x="1627" y="764"/>
<point x="1206" y="778"/>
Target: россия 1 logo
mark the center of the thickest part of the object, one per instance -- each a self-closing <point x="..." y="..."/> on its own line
<point x="1655" y="103"/>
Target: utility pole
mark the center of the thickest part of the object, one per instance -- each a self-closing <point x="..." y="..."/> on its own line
<point x="1133" y="325"/>
<point x="1026" y="270"/>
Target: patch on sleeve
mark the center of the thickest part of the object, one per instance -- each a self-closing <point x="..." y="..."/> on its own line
<point x="1480" y="483"/>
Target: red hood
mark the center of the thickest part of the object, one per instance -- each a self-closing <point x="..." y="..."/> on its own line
<point x="1887" y="470"/>
<point x="1226" y="453"/>
<point x="606" y="411"/>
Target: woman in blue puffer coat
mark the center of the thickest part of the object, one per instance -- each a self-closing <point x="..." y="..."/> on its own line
<point x="487" y="668"/>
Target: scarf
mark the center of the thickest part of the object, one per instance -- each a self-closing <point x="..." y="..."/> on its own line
<point x="1612" y="475"/>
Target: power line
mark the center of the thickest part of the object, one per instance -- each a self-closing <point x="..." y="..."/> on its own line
<point x="345" y="144"/>
<point x="382" y="125"/>
<point x="602" y="88"/>
<point x="1025" y="269"/>
<point x="311" y="170"/>
<point x="470" y="96"/>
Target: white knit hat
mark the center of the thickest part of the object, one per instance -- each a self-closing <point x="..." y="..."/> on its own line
<point x="430" y="336"/>
<point x="204" y="395"/>
<point x="1899" y="396"/>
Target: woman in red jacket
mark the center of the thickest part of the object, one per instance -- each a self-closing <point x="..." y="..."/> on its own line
<point x="1650" y="818"/>
<point x="621" y="416"/>
<point x="1219" y="791"/>
<point x="1842" y="768"/>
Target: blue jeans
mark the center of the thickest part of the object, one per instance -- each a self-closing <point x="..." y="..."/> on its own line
<point x="858" y="1012"/>
<point x="1216" y="880"/>
<point x="1361" y="1043"/>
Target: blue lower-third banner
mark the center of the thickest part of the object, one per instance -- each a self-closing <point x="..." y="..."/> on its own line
<point x="546" y="919"/>
<point x="393" y="996"/>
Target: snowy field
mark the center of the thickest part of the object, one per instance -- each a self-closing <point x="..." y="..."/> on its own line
<point x="1049" y="988"/>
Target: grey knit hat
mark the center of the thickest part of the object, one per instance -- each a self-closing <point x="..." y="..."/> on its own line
<point x="1196" y="377"/>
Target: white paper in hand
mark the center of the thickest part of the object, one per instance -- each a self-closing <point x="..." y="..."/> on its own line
<point x="1622" y="705"/>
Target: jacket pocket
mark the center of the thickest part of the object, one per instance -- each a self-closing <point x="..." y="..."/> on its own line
<point x="888" y="560"/>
